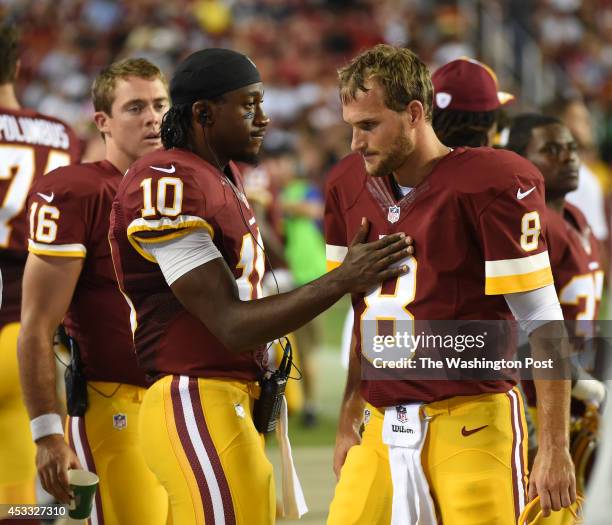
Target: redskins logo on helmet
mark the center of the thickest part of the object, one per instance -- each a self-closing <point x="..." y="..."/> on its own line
<point x="532" y="514"/>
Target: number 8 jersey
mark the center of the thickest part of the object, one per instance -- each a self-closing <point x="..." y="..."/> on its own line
<point x="475" y="221"/>
<point x="165" y="195"/>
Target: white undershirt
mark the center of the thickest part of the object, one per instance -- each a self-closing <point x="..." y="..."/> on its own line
<point x="178" y="256"/>
<point x="535" y="308"/>
<point x="405" y="190"/>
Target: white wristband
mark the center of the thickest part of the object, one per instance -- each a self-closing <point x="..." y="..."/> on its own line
<point x="46" y="425"/>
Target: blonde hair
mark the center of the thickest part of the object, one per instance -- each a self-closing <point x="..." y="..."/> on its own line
<point x="103" y="88"/>
<point x="402" y="75"/>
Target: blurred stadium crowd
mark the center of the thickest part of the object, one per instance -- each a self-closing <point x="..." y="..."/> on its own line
<point x="298" y="44"/>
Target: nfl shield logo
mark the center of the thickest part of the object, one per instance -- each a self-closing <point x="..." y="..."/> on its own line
<point x="239" y="410"/>
<point x="394" y="214"/>
<point x="120" y="421"/>
<point x="402" y="415"/>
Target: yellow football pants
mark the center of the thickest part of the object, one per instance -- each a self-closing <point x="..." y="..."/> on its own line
<point x="474" y="457"/>
<point x="199" y="439"/>
<point x="17" y="451"/>
<point x="364" y="493"/>
<point x="107" y="442"/>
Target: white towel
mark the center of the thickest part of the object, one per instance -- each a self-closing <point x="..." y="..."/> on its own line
<point x="294" y="504"/>
<point x="404" y="432"/>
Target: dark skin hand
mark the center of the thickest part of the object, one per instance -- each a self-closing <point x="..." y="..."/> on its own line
<point x="242" y="325"/>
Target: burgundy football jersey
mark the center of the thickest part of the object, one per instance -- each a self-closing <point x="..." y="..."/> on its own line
<point x="69" y="213"/>
<point x="575" y="262"/>
<point x="164" y="195"/>
<point x="475" y="221"/>
<point x="579" y="277"/>
<point x="31" y="144"/>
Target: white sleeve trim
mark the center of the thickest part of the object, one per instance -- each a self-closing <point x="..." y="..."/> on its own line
<point x="179" y="256"/>
<point x="535" y="308"/>
<point x="335" y="253"/>
<point x="520" y="266"/>
<point x="76" y="249"/>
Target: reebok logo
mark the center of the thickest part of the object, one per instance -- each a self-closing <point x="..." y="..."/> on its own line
<point x="520" y="195"/>
<point x="171" y="169"/>
<point x="47" y="198"/>
<point x="466" y="433"/>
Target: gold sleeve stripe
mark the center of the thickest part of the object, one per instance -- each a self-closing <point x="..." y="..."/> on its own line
<point x="166" y="236"/>
<point x="176" y="228"/>
<point x="136" y="245"/>
<point x="57" y="250"/>
<point x="332" y="265"/>
<point x="136" y="242"/>
<point x="518" y="283"/>
<point x="335" y="253"/>
<point x="182" y="222"/>
<point x="522" y="265"/>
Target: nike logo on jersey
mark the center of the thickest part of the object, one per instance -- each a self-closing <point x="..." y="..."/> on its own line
<point x="48" y="198"/>
<point x="522" y="194"/>
<point x="171" y="169"/>
<point x="466" y="433"/>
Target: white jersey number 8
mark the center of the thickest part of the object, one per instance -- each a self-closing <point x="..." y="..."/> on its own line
<point x="391" y="307"/>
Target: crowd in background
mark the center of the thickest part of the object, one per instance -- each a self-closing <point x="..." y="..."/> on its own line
<point x="297" y="45"/>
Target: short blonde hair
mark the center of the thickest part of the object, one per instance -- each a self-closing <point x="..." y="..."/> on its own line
<point x="103" y="88"/>
<point x="401" y="73"/>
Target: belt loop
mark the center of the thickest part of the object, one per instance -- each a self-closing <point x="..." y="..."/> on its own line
<point x="254" y="389"/>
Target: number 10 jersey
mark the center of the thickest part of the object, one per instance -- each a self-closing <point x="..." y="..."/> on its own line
<point x="165" y="195"/>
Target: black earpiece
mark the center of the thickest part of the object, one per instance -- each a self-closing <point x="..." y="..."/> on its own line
<point x="203" y="118"/>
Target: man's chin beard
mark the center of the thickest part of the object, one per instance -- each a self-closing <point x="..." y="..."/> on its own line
<point x="377" y="172"/>
<point x="385" y="167"/>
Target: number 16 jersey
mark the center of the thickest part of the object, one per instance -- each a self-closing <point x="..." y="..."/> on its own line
<point x="476" y="224"/>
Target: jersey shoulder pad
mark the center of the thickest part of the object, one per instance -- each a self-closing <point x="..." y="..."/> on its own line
<point x="347" y="179"/>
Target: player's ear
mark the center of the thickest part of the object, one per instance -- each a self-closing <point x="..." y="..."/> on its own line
<point x="202" y="112"/>
<point x="101" y="120"/>
<point x="415" y="112"/>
